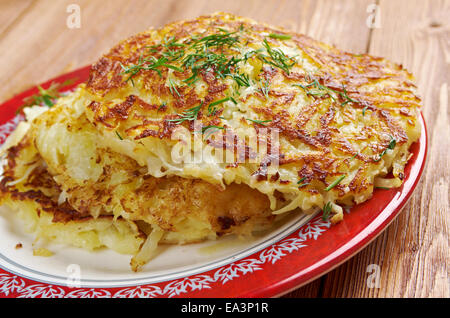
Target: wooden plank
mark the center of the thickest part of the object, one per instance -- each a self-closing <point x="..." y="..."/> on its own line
<point x="41" y="46"/>
<point x="11" y="11"/>
<point x="413" y="254"/>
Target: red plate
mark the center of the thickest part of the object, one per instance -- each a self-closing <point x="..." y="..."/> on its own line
<point x="292" y="260"/>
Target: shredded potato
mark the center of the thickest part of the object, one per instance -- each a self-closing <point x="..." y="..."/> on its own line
<point x="388" y="183"/>
<point x="207" y="128"/>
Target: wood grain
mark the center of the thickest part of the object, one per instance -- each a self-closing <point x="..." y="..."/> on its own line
<point x="38" y="44"/>
<point x="413" y="253"/>
<point x="10" y="12"/>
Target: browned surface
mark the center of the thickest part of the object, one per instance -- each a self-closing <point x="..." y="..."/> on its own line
<point x="163" y="200"/>
<point x="413" y="253"/>
<point x="358" y="82"/>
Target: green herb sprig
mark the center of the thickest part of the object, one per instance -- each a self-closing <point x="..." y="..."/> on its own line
<point x="335" y="183"/>
<point x="212" y="107"/>
<point x="205" y="54"/>
<point x="364" y="110"/>
<point x="118" y="135"/>
<point x="210" y="129"/>
<point x="163" y="104"/>
<point x="208" y="55"/>
<point x="280" y="36"/>
<point x="384" y="188"/>
<point x="147" y="63"/>
<point x="322" y="90"/>
<point x="173" y="88"/>
<point x="277" y="58"/>
<point x="391" y="146"/>
<point x="302" y="184"/>
<point x="265" y="88"/>
<point x="45" y="97"/>
<point x="188" y="115"/>
<point x="326" y="211"/>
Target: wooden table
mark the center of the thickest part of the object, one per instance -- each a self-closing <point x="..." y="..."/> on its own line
<point x="413" y="253"/>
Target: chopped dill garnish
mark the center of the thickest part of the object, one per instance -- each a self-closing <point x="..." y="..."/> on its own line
<point x="280" y="36"/>
<point x="319" y="89"/>
<point x="326" y="211"/>
<point x="250" y="53"/>
<point x="322" y="90"/>
<point x="217" y="40"/>
<point x="390" y="146"/>
<point x="392" y="143"/>
<point x="163" y="104"/>
<point x="276" y="58"/>
<point x="118" y="135"/>
<point x="208" y="55"/>
<point x="211" y="107"/>
<point x="260" y="122"/>
<point x="210" y="129"/>
<point x="346" y="98"/>
<point x="173" y="87"/>
<point x="233" y="100"/>
<point x="335" y="183"/>
<point x="265" y="88"/>
<point x="301" y="180"/>
<point x="205" y="128"/>
<point x="45" y="97"/>
<point x="188" y="115"/>
<point x="364" y="110"/>
<point x="148" y="63"/>
<point x="241" y="79"/>
<point x="301" y="184"/>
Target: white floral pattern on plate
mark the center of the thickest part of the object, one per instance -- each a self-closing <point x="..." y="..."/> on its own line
<point x="12" y="284"/>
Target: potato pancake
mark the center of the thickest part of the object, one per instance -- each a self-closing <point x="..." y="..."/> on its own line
<point x="214" y="126"/>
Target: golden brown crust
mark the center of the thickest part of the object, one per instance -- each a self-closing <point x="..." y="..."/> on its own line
<point x="333" y="123"/>
<point x="161" y="201"/>
<point x="382" y="90"/>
